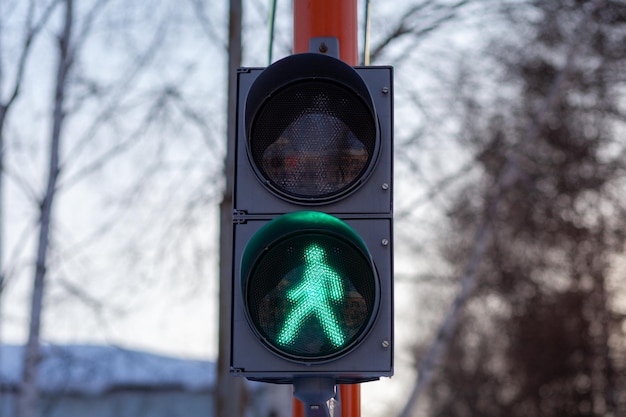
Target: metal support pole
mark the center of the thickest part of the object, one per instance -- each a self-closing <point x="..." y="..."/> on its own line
<point x="327" y="18"/>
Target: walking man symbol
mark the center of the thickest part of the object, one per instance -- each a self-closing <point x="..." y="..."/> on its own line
<point x="319" y="288"/>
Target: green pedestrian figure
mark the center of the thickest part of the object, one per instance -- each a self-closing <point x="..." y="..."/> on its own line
<point x="319" y="288"/>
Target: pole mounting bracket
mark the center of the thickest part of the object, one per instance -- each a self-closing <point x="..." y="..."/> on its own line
<point x="325" y="45"/>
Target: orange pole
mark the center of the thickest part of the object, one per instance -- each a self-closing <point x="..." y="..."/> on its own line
<point x="327" y="18"/>
<point x="337" y="19"/>
<point x="297" y="408"/>
<point x="350" y="400"/>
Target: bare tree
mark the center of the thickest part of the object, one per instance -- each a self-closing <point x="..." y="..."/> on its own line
<point x="101" y="106"/>
<point x="547" y="266"/>
<point x="27" y="402"/>
<point x="33" y="24"/>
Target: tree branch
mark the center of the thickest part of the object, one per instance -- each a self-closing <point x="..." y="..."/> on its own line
<point x="508" y="178"/>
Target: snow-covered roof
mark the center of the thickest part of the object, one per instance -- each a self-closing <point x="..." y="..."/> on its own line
<point x="94" y="369"/>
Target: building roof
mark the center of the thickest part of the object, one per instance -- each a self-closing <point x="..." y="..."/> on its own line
<point x="95" y="369"/>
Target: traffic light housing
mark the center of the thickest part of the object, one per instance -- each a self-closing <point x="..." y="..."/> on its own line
<point x="312" y="230"/>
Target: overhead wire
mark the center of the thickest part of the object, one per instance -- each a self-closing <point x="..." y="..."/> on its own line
<point x="366" y="34"/>
<point x="272" y="19"/>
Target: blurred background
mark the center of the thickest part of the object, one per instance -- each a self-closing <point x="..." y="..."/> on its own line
<point x="510" y="215"/>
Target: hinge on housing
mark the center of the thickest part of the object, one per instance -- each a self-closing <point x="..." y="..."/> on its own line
<point x="239" y="216"/>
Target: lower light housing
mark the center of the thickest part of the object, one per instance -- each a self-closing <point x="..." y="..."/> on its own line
<point x="310" y="287"/>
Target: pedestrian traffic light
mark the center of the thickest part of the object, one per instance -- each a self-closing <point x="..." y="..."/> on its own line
<point x="310" y="287"/>
<point x="312" y="210"/>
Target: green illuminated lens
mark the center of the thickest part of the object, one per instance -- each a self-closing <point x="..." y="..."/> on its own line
<point x="311" y="294"/>
<point x="319" y="289"/>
